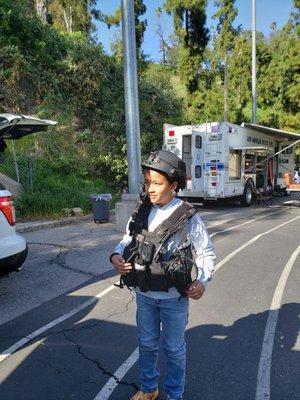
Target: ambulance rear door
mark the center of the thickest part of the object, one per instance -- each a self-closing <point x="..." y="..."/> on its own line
<point x="197" y="166"/>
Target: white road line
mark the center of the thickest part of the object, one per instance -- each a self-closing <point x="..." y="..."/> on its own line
<point x="264" y="368"/>
<point x="244" y="223"/>
<point x="113" y="382"/>
<point x="108" y="388"/>
<point x="296" y="346"/>
<point x="6" y="353"/>
<point x="254" y="239"/>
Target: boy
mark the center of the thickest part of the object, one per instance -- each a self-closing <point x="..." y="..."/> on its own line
<point x="165" y="238"/>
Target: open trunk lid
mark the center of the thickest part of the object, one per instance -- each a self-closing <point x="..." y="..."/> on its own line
<point x="15" y="126"/>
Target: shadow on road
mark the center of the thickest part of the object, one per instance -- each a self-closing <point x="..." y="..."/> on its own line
<point x="224" y="359"/>
<point x="76" y="359"/>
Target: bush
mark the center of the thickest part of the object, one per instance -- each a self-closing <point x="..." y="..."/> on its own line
<point x="55" y="189"/>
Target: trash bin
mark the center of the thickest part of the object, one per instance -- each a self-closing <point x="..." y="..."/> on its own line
<point x="100" y="206"/>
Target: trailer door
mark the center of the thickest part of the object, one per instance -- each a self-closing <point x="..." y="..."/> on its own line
<point x="197" y="167"/>
<point x="286" y="161"/>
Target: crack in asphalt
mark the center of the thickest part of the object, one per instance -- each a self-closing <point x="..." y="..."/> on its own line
<point x="79" y="348"/>
<point x="94" y="361"/>
<point x="97" y="363"/>
<point x="52" y="244"/>
<point x="95" y="324"/>
<point x="62" y="254"/>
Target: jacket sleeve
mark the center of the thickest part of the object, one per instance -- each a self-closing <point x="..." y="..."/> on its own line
<point x="125" y="241"/>
<point x="203" y="248"/>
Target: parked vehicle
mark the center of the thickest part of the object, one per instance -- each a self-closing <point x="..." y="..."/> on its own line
<point x="15" y="126"/>
<point x="225" y="160"/>
<point x="13" y="247"/>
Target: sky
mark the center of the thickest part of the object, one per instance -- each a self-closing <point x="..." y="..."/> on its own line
<point x="267" y="11"/>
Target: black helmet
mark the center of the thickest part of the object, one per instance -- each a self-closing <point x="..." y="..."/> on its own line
<point x="168" y="163"/>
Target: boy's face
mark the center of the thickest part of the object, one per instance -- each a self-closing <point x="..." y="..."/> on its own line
<point x="158" y="188"/>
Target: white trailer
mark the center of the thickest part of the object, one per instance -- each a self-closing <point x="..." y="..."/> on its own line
<point x="225" y="160"/>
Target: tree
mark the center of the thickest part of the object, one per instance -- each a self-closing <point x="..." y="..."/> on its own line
<point x="74" y="15"/>
<point x="140" y="26"/>
<point x="41" y="10"/>
<point x="278" y="80"/>
<point x="189" y="24"/>
<point x="224" y="42"/>
<point x="163" y="44"/>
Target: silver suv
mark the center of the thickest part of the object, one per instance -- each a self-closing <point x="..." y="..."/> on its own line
<point x="13" y="247"/>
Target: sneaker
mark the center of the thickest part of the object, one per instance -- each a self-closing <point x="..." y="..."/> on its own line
<point x="140" y="395"/>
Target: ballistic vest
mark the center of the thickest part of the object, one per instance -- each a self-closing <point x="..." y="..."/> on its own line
<point x="152" y="268"/>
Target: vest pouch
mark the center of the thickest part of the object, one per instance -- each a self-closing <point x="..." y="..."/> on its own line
<point x="146" y="249"/>
<point x="129" y="255"/>
<point x="130" y="279"/>
<point x="159" y="283"/>
<point x="178" y="273"/>
<point x="142" y="278"/>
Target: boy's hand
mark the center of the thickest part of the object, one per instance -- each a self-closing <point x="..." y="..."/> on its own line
<point x="195" y="290"/>
<point x="120" y="265"/>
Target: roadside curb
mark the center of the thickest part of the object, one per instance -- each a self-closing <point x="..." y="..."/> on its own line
<point x="38" y="225"/>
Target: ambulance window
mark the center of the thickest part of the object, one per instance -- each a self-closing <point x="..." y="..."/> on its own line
<point x="287" y="151"/>
<point x="198" y="171"/>
<point x="198" y="142"/>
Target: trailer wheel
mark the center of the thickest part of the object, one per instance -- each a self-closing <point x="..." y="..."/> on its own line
<point x="248" y="196"/>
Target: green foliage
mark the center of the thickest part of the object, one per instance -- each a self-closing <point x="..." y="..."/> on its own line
<point x="224" y="44"/>
<point x="68" y="78"/>
<point x="189" y="23"/>
<point x="29" y="69"/>
<point x="61" y="74"/>
<point x="140" y="25"/>
<point x="73" y="15"/>
<point x="279" y="82"/>
<point x="158" y="105"/>
<point x="55" y="188"/>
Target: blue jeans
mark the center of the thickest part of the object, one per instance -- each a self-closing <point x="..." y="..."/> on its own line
<point x="172" y="316"/>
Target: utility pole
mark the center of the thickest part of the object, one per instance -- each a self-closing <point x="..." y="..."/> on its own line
<point x="254" y="105"/>
<point x="131" y="97"/>
<point x="125" y="207"/>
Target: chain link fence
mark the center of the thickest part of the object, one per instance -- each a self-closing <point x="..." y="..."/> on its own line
<point x="19" y="168"/>
<point x="49" y="187"/>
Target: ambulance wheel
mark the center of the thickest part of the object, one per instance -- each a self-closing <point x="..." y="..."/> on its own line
<point x="248" y="196"/>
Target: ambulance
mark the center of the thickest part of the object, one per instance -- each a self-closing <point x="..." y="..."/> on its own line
<point x="225" y="160"/>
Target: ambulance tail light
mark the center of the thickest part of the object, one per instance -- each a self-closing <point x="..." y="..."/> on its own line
<point x="214" y="184"/>
<point x="171" y="133"/>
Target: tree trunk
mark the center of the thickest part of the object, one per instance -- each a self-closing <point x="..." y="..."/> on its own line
<point x="41" y="9"/>
<point x="187" y="39"/>
<point x="68" y="20"/>
<point x="162" y="41"/>
<point x="226" y="86"/>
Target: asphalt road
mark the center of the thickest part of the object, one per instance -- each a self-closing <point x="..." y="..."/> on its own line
<point x="67" y="333"/>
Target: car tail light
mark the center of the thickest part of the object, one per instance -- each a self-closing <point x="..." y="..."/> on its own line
<point x="214" y="184"/>
<point x="8" y="209"/>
